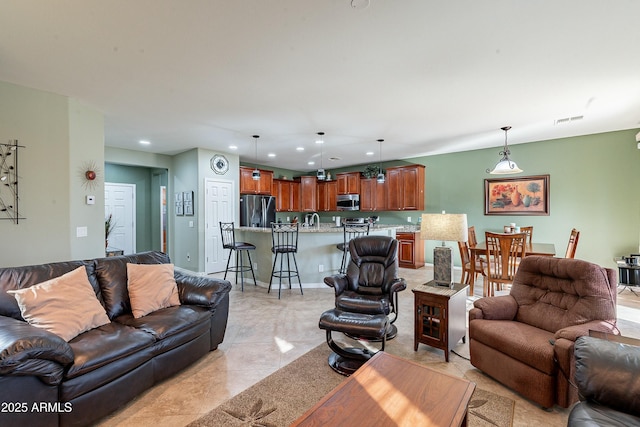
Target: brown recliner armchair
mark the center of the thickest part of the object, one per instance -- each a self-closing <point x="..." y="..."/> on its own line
<point x="525" y="340"/>
<point x="371" y="283"/>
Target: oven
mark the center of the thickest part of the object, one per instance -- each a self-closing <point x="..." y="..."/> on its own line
<point x="348" y="202"/>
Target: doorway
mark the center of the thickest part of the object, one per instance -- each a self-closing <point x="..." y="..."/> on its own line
<point x="120" y="202"/>
<point x="220" y="205"/>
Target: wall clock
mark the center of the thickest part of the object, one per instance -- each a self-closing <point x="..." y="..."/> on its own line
<point x="219" y="164"/>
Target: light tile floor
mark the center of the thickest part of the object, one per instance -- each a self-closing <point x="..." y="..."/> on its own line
<point x="265" y="333"/>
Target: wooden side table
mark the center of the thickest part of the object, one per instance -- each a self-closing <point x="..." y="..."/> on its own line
<point x="440" y="315"/>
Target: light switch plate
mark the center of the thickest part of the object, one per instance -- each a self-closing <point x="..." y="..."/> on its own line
<point x="91" y="200"/>
<point x="81" y="232"/>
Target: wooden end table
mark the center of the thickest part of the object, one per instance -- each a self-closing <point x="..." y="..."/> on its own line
<point x="391" y="391"/>
<point x="440" y="315"/>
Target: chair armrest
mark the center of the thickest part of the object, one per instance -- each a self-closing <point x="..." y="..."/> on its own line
<point x="338" y="282"/>
<point x="201" y="290"/>
<point x="20" y="343"/>
<point x="502" y="307"/>
<point x="607" y="372"/>
<point x="572" y="333"/>
<point x="398" y="285"/>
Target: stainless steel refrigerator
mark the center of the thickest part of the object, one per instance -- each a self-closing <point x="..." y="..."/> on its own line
<point x="257" y="211"/>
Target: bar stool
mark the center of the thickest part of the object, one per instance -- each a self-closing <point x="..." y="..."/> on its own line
<point x="351" y="231"/>
<point x="228" y="233"/>
<point x="284" y="240"/>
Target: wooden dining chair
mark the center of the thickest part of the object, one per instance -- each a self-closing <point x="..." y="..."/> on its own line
<point x="529" y="230"/>
<point x="504" y="253"/>
<point x="573" y="244"/>
<point x="465" y="257"/>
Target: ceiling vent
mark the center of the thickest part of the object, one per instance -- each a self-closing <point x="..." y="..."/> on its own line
<point x="567" y="120"/>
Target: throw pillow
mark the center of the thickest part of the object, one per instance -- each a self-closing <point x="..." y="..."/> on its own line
<point x="66" y="305"/>
<point x="151" y="287"/>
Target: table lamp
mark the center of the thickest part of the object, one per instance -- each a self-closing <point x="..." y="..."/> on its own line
<point x="443" y="227"/>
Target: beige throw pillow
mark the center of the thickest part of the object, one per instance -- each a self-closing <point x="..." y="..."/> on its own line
<point x="151" y="287"/>
<point x="66" y="305"/>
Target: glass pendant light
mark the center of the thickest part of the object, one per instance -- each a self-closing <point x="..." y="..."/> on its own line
<point x="380" y="177"/>
<point x="256" y="172"/>
<point x="505" y="166"/>
<point x="320" y="174"/>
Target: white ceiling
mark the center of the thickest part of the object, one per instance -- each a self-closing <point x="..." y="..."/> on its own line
<point x="427" y="76"/>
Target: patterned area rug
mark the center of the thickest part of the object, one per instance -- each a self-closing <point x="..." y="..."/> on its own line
<point x="283" y="396"/>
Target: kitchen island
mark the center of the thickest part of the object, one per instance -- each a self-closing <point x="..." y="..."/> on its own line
<point x="317" y="254"/>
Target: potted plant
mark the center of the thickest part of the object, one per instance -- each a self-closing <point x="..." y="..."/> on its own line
<point x="109" y="225"/>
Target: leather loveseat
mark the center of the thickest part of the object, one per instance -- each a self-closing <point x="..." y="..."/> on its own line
<point x="46" y="380"/>
<point x="525" y="339"/>
<point x="607" y="380"/>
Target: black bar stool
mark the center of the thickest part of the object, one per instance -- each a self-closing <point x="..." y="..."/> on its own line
<point x="228" y="233"/>
<point x="351" y="231"/>
<point x="284" y="240"/>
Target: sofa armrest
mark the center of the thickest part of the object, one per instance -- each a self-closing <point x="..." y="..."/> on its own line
<point x="572" y="333"/>
<point x="201" y="290"/>
<point x="338" y="282"/>
<point x="502" y="307"/>
<point x="607" y="372"/>
<point x="20" y="343"/>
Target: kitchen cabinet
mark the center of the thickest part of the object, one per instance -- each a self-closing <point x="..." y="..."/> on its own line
<point x="410" y="249"/>
<point x="308" y="194"/>
<point x="327" y="195"/>
<point x="287" y="195"/>
<point x="373" y="195"/>
<point x="405" y="188"/>
<point x="348" y="182"/>
<point x="248" y="185"/>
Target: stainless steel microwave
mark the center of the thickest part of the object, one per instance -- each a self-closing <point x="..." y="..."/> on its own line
<point x="348" y="202"/>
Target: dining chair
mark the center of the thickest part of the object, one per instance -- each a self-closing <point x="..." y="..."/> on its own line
<point x="529" y="230"/>
<point x="465" y="257"/>
<point x="573" y="244"/>
<point x="504" y="253"/>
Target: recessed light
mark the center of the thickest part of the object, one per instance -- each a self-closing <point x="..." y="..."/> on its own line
<point x="311" y="163"/>
<point x="233" y="147"/>
<point x="271" y="155"/>
<point x="369" y="153"/>
<point x="299" y="148"/>
<point x="144" y="142"/>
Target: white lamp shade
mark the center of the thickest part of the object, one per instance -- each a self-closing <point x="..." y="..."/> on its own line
<point x="505" y="167"/>
<point x="444" y="227"/>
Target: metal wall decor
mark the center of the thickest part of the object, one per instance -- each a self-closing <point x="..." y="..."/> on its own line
<point x="9" y="199"/>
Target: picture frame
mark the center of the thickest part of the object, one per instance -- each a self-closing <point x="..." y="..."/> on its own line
<point x="178" y="203"/>
<point x="187" y="197"/>
<point x="525" y="195"/>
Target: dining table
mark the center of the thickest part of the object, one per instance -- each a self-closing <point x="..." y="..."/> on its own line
<point x="540" y="249"/>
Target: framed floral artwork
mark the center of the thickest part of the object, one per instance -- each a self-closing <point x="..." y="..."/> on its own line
<point x="517" y="196"/>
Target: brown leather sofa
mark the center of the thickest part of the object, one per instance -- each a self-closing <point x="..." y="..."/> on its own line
<point x="525" y="340"/>
<point x="607" y="380"/>
<point x="46" y="381"/>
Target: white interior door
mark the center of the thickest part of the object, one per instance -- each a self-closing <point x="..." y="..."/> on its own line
<point x="120" y="201"/>
<point x="220" y="205"/>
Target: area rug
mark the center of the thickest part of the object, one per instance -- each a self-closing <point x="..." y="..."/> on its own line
<point x="283" y="396"/>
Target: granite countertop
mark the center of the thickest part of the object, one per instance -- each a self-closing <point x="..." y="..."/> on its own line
<point x="328" y="227"/>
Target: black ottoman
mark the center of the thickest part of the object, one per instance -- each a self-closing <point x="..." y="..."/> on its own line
<point x="346" y="360"/>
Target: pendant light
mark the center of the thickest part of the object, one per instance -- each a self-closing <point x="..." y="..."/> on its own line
<point x="320" y="174"/>
<point x="256" y="172"/>
<point x="505" y="166"/>
<point x="380" y="177"/>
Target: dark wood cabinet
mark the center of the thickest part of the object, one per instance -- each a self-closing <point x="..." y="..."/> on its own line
<point x="248" y="185"/>
<point x="373" y="195"/>
<point x="440" y="315"/>
<point x="405" y="188"/>
<point x="287" y="195"/>
<point x="410" y="250"/>
<point x="308" y="194"/>
<point x="348" y="182"/>
<point x="327" y="195"/>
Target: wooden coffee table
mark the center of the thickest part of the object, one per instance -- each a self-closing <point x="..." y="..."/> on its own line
<point x="391" y="391"/>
